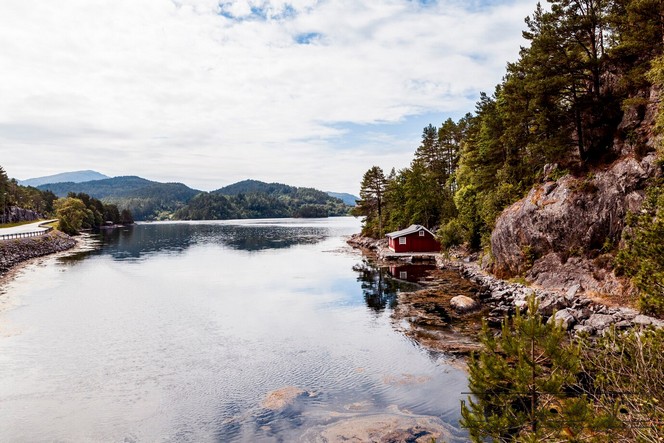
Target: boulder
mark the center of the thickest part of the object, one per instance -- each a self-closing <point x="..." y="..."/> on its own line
<point x="565" y="318"/>
<point x="462" y="304"/>
<point x="550" y="304"/>
<point x="571" y="294"/>
<point x="644" y="320"/>
<point x="600" y="321"/>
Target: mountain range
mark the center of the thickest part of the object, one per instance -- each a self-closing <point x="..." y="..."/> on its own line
<point x="151" y="200"/>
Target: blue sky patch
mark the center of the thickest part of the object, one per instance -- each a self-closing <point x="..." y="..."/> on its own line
<point x="307" y="38"/>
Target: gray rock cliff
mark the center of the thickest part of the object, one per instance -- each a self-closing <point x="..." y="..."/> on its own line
<point x="557" y="236"/>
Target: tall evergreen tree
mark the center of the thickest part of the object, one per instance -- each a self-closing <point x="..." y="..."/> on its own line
<point x="372" y="200"/>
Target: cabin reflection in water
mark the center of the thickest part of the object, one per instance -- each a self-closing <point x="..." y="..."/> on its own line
<point x="411" y="273"/>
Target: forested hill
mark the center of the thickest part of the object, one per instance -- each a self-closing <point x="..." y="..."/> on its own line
<point x="256" y="199"/>
<point x="254" y="187"/>
<point x="573" y="126"/>
<point x="147" y="200"/>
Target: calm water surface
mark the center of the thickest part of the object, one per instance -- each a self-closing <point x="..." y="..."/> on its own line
<point x="179" y="331"/>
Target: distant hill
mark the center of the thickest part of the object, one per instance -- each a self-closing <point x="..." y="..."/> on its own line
<point x="147" y="200"/>
<point x="349" y="199"/>
<point x="253" y="187"/>
<point x="74" y="177"/>
<point x="256" y="199"/>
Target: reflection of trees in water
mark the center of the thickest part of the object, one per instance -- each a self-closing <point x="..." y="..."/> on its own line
<point x="134" y="242"/>
<point x="256" y="238"/>
<point x="379" y="288"/>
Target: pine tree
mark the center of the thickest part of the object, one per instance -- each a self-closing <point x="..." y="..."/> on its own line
<point x="525" y="385"/>
<point x="370" y="205"/>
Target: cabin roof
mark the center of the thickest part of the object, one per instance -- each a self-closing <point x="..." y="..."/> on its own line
<point x="409" y="230"/>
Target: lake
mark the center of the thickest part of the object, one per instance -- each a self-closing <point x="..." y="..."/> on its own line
<point x="181" y="331"/>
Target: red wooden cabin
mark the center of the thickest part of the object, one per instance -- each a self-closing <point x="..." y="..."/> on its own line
<point x="415" y="238"/>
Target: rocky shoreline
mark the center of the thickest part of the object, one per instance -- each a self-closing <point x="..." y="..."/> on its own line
<point x="495" y="299"/>
<point x="16" y="251"/>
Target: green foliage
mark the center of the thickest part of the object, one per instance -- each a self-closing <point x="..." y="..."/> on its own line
<point x="71" y="213"/>
<point x="561" y="102"/>
<point x="526" y="386"/>
<point x="372" y="201"/>
<point x="642" y="258"/>
<point x="145" y="199"/>
<point x="98" y="213"/>
<point x="627" y="373"/>
<point x="26" y="197"/>
<point x="420" y="194"/>
<point x="656" y="75"/>
<point x="451" y="234"/>
<point x="262" y="200"/>
<point x="466" y="201"/>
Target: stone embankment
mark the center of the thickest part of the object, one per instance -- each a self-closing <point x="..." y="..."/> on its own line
<point x="499" y="298"/>
<point x="573" y="309"/>
<point x="15" y="251"/>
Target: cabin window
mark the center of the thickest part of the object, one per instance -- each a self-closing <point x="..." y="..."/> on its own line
<point x="403" y="275"/>
<point x="421" y="233"/>
<point x="402" y="240"/>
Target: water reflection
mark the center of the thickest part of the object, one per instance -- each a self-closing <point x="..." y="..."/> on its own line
<point x="139" y="241"/>
<point x="410" y="272"/>
<point x="379" y="288"/>
<point x="188" y="344"/>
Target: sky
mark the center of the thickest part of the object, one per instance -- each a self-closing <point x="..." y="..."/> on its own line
<point x="211" y="92"/>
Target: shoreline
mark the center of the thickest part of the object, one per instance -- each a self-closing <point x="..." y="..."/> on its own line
<point x="80" y="243"/>
<point x="496" y="299"/>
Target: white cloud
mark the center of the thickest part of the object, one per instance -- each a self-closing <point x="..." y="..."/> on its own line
<point x="210" y="92"/>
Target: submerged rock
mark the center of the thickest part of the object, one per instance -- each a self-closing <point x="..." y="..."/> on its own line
<point x="382" y="428"/>
<point x="283" y="398"/>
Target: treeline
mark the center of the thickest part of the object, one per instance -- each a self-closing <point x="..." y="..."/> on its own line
<point x="147" y="200"/>
<point x="560" y="104"/>
<point x="254" y="199"/>
<point x="80" y="211"/>
<point x="26" y="197"/>
<point x="76" y="211"/>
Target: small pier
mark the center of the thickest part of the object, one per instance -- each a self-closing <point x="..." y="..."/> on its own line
<point x="387" y="254"/>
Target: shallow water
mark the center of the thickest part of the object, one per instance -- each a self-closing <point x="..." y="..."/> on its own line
<point x="179" y="331"/>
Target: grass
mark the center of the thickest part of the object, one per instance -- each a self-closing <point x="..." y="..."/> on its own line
<point x="11" y="225"/>
<point x="53" y="225"/>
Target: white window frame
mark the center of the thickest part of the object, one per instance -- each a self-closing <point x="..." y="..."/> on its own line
<point x="402" y="240"/>
<point x="421" y="233"/>
<point x="403" y="275"/>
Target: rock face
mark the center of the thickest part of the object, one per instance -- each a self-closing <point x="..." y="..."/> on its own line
<point x="14" y="214"/>
<point x="15" y="251"/>
<point x="560" y="222"/>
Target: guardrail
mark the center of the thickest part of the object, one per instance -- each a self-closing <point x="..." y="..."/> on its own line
<point x="26" y="234"/>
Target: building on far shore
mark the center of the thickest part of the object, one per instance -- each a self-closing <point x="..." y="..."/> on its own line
<point x="415" y="238"/>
